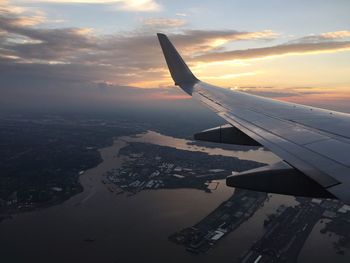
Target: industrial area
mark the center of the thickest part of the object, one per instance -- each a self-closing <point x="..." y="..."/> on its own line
<point x="219" y="223"/>
<point x="149" y="166"/>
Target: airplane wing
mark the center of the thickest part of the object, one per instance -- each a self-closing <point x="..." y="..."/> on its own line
<point x="313" y="143"/>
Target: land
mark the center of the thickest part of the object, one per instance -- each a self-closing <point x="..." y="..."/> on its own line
<point x="221" y="222"/>
<point x="41" y="158"/>
<point x="149" y="166"/>
<point x="287" y="230"/>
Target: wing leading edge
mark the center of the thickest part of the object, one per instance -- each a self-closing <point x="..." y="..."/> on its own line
<point x="312" y="142"/>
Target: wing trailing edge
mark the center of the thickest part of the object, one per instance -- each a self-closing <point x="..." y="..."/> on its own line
<point x="279" y="178"/>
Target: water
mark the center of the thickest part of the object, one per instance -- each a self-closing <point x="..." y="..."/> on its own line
<point x="257" y="155"/>
<point x="320" y="246"/>
<point x="128" y="229"/>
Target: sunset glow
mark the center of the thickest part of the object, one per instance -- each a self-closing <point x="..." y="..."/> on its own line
<point x="118" y="44"/>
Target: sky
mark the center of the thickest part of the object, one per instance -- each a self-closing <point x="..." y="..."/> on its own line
<point x="291" y="50"/>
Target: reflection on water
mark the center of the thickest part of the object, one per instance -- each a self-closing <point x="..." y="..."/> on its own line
<point x="99" y="226"/>
<point x="258" y="155"/>
<point x="317" y="242"/>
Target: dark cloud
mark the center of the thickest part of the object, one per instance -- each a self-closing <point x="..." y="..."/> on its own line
<point x="130" y="57"/>
<point x="29" y="43"/>
<point x="118" y="58"/>
<point x="135" y="56"/>
<point x="284" y="49"/>
<point x="324" y="37"/>
<point x="31" y="90"/>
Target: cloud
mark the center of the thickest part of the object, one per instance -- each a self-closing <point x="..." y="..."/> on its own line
<point x="127" y="5"/>
<point x="23" y="16"/>
<point x="313" y="44"/>
<point x="131" y="58"/>
<point x="72" y="66"/>
<point x="278" y="50"/>
<point x="164" y="22"/>
<point x="73" y="87"/>
<point x="29" y="21"/>
<point x="19" y="39"/>
<point x="336" y="34"/>
<point x="323" y="37"/>
<point x="126" y="58"/>
<point x="191" y="42"/>
<point x="139" y="5"/>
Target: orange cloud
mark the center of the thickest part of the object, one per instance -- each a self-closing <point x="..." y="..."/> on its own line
<point x="29" y="20"/>
<point x="164" y="22"/>
<point x="127" y="5"/>
<point x="336" y="34"/>
<point x="161" y="96"/>
<point x="135" y="58"/>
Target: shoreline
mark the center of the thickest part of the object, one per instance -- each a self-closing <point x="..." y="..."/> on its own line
<point x="150" y="137"/>
<point x="8" y="214"/>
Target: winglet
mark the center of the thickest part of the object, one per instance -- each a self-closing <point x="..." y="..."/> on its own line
<point x="179" y="71"/>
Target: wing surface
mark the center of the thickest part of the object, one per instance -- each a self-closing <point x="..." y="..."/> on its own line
<point x="314" y="141"/>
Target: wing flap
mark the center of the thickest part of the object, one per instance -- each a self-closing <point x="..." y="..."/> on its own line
<point x="226" y="134"/>
<point x="278" y="178"/>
